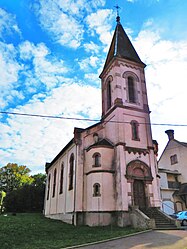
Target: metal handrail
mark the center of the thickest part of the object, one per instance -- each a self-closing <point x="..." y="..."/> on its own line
<point x="162" y="204"/>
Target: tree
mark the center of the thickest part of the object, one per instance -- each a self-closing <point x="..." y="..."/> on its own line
<point x="27" y="198"/>
<point x="13" y="176"/>
<point x="39" y="179"/>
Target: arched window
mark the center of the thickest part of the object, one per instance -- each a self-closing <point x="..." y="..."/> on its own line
<point x="48" y="186"/>
<point x="96" y="189"/>
<point x="96" y="160"/>
<point x="54" y="183"/>
<point x="109" y="101"/>
<point x="71" y="164"/>
<point x="131" y="90"/>
<point x="61" y="178"/>
<point x="135" y="131"/>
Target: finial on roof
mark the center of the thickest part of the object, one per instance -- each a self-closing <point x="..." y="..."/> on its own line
<point x="118" y="17"/>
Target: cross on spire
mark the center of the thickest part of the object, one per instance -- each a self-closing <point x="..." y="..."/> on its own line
<point x="117" y="10"/>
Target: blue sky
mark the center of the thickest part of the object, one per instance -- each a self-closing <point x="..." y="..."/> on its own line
<point x="51" y="54"/>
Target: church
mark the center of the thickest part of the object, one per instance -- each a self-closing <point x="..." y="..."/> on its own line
<point x="110" y="167"/>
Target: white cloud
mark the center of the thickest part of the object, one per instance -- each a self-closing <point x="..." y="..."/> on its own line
<point x="165" y="76"/>
<point x="92" y="61"/>
<point x="9" y="67"/>
<point x="64" y="29"/>
<point x="166" y="61"/>
<point x="149" y="1"/>
<point x="9" y="71"/>
<point x="91" y="47"/>
<point x="63" y="19"/>
<point x="100" y="22"/>
<point x="80" y="6"/>
<point x="34" y="140"/>
<point x="8" y="25"/>
<point x="30" y="62"/>
<point x="29" y="50"/>
<point x="93" y="77"/>
<point x="47" y="70"/>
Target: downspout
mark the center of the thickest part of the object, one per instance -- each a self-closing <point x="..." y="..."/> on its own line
<point x="45" y="196"/>
<point x="66" y="184"/>
<point x="75" y="186"/>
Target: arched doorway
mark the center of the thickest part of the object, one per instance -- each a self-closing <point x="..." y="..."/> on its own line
<point x="139" y="194"/>
<point x="139" y="175"/>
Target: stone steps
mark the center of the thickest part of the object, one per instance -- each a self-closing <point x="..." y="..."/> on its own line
<point x="162" y="221"/>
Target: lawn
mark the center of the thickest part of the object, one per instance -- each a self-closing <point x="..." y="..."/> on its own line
<point x="33" y="231"/>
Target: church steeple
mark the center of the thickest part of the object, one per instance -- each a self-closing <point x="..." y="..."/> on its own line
<point x="121" y="46"/>
<point x="123" y="79"/>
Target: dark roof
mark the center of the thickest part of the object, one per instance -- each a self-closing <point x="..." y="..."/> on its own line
<point x="101" y="143"/>
<point x="104" y="142"/>
<point x="174" y="172"/>
<point x="182" y="143"/>
<point x="48" y="165"/>
<point x="122" y="47"/>
<point x="182" y="190"/>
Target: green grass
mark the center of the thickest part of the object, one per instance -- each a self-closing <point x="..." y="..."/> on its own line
<point x="33" y="231"/>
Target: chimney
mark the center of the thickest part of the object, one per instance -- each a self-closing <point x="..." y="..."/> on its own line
<point x="170" y="134"/>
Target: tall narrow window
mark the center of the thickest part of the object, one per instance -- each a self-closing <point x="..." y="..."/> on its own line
<point x="48" y="186"/>
<point x="134" y="128"/>
<point x="96" y="160"/>
<point x="71" y="163"/>
<point x="54" y="183"/>
<point x="96" y="189"/>
<point x="61" y="179"/>
<point x="131" y="90"/>
<point x="109" y="101"/>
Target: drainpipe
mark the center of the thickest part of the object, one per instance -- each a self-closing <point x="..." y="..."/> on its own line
<point x="75" y="186"/>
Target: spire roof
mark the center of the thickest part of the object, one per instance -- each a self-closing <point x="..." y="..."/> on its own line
<point x="121" y="46"/>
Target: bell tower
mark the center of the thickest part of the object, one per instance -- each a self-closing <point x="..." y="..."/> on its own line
<point x="125" y="113"/>
<point x="122" y="62"/>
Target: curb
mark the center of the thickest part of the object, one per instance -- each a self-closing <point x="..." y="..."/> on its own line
<point x="107" y="240"/>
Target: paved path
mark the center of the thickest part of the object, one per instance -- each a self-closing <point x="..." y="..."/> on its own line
<point x="159" y="239"/>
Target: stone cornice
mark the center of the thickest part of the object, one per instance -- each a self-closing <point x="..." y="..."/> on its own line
<point x="136" y="150"/>
<point x="116" y="61"/>
<point x="145" y="110"/>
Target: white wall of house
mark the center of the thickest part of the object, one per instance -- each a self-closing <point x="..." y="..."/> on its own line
<point x="175" y="148"/>
<point x="163" y="181"/>
<point x="172" y="171"/>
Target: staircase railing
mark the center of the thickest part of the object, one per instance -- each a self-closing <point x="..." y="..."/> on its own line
<point x="162" y="205"/>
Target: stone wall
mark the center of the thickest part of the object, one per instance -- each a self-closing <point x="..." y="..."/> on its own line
<point x="140" y="220"/>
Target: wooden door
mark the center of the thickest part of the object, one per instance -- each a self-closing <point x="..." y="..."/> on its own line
<point x="139" y="194"/>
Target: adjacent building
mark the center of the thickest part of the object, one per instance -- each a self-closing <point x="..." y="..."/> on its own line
<point x="110" y="167"/>
<point x="173" y="172"/>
